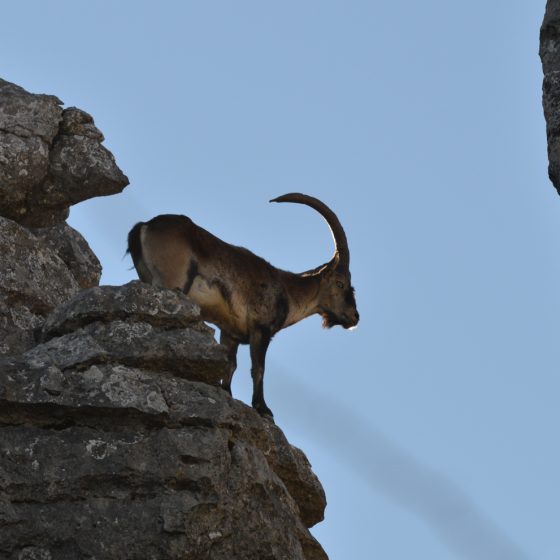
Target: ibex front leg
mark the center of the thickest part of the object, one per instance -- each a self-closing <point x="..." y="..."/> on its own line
<point x="259" y="341"/>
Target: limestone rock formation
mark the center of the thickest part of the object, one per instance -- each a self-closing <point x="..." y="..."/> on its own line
<point x="116" y="440"/>
<point x="50" y="158"/>
<point x="550" y="57"/>
<point x="39" y="268"/>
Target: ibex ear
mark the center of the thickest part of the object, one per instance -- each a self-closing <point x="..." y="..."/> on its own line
<point x="332" y="265"/>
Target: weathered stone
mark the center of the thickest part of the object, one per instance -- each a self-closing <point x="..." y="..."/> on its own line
<point x="38" y="270"/>
<point x="74" y="251"/>
<point x="18" y="325"/>
<point x="28" y="125"/>
<point x="292" y="466"/>
<point x="142" y="398"/>
<point x="134" y="301"/>
<point x="79" y="123"/>
<point x="208" y="466"/>
<point x="31" y="271"/>
<point x="247" y="524"/>
<point x="49" y="158"/>
<point x="48" y="465"/>
<point x="33" y="280"/>
<point x="24" y="162"/>
<point x="27" y="114"/>
<point x="186" y="352"/>
<point x="30" y="387"/>
<point x="34" y="553"/>
<point x="115" y="439"/>
<point x="550" y="57"/>
<point x="80" y="168"/>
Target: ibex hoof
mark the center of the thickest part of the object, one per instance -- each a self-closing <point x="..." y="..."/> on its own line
<point x="263" y="410"/>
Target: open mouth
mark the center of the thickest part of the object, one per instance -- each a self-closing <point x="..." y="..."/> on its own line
<point x="331" y="320"/>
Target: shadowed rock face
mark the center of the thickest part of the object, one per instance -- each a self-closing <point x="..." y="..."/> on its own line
<point x="116" y="440"/>
<point x="550" y="57"/>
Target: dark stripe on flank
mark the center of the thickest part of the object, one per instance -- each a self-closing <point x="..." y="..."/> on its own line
<point x="225" y="292"/>
<point x="282" y="309"/>
<point x="192" y="273"/>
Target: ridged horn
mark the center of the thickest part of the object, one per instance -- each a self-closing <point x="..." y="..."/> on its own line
<point x="340" y="241"/>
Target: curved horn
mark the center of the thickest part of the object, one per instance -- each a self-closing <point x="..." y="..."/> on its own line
<point x="337" y="230"/>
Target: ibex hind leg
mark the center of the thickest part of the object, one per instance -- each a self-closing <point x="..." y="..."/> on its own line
<point x="165" y="259"/>
<point x="144" y="272"/>
<point x="231" y="345"/>
<point x="156" y="278"/>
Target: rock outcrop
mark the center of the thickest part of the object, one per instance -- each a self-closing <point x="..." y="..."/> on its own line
<point x="550" y="57"/>
<point x="50" y="158"/>
<point x="116" y="440"/>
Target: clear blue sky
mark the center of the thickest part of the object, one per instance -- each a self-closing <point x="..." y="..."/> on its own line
<point x="434" y="425"/>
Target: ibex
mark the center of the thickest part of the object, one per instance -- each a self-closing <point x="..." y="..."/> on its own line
<point x="246" y="297"/>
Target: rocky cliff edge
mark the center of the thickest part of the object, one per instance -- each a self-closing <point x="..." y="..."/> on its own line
<point x="116" y="440"/>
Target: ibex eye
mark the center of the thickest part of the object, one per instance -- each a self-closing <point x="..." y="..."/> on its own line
<point x="340" y="284"/>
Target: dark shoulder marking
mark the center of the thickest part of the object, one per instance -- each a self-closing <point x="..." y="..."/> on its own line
<point x="224" y="290"/>
<point x="192" y="273"/>
<point x="282" y="310"/>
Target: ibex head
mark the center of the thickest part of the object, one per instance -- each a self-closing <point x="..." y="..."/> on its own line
<point x="335" y="302"/>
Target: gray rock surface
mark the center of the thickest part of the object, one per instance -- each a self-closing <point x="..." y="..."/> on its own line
<point x="163" y="332"/>
<point x="134" y="301"/>
<point x="39" y="269"/>
<point x="116" y="447"/>
<point x="74" y="251"/>
<point x="33" y="280"/>
<point x="50" y="158"/>
<point x="116" y="440"/>
<point x="550" y="57"/>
